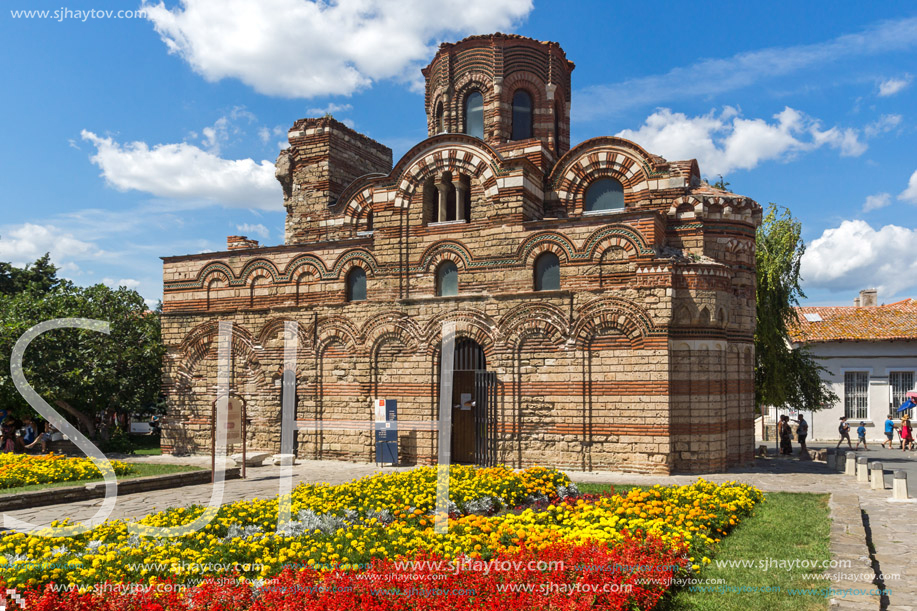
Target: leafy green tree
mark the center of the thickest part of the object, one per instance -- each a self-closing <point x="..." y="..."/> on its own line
<point x="40" y="276"/>
<point x="784" y="375"/>
<point x="81" y="372"/>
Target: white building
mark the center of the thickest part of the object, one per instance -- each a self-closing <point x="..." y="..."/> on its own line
<point x="870" y="352"/>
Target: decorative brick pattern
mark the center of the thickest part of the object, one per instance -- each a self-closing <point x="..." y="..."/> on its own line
<point x="642" y="361"/>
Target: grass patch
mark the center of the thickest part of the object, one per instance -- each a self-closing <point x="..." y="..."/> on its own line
<point x="146" y="445"/>
<point x="143" y="470"/>
<point x="786" y="526"/>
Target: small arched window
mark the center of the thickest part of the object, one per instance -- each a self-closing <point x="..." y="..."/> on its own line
<point x="474" y="114"/>
<point x="547" y="272"/>
<point x="446" y="279"/>
<point x="522" y="115"/>
<point x="369" y="221"/>
<point x="439" y="118"/>
<point x="604" y="194"/>
<point x="356" y="284"/>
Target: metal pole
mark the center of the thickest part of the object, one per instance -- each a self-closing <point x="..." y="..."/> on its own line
<point x="244" y="435"/>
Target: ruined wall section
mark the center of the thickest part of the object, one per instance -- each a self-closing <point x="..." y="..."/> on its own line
<point x="324" y="158"/>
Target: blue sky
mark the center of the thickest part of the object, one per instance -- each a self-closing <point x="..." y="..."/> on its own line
<point x="127" y="139"/>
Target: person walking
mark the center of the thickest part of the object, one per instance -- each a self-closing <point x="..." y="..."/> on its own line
<point x="861" y="436"/>
<point x="889" y="432"/>
<point x="907" y="434"/>
<point x="786" y="435"/>
<point x="802" y="431"/>
<point x="844" y="429"/>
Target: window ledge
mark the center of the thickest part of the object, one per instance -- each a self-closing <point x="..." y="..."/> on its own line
<point x="441" y="223"/>
<point x="600" y="212"/>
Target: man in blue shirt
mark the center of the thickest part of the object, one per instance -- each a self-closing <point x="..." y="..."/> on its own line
<point x="861" y="435"/>
<point x="889" y="432"/>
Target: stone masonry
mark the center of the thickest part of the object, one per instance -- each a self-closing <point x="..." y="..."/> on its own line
<point x="642" y="360"/>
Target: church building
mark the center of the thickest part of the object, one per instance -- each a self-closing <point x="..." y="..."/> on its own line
<point x="603" y="297"/>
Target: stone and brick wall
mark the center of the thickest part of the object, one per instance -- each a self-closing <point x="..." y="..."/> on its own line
<point x="642" y="361"/>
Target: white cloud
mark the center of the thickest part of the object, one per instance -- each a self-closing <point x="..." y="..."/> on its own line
<point x="186" y="172"/>
<point x="266" y="133"/>
<point x="23" y="244"/>
<point x="883" y="124"/>
<point x="215" y="136"/>
<point x="855" y="255"/>
<point x="129" y="283"/>
<point x="892" y="86"/>
<point x="910" y="194"/>
<point x="303" y="48"/>
<point x="330" y="109"/>
<point x="254" y="230"/>
<point x="879" y="200"/>
<point x="726" y="141"/>
<point x="714" y="76"/>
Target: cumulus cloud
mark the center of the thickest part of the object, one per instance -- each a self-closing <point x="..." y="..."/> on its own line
<point x="854" y="255"/>
<point x="892" y="86"/>
<point x="23" y="244"/>
<point x="879" y="200"/>
<point x="259" y="230"/>
<point x="910" y="194"/>
<point x="304" y="48"/>
<point x="727" y="141"/>
<point x="186" y="172"/>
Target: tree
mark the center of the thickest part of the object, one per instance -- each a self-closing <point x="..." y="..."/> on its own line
<point x="83" y="372"/>
<point x="40" y="276"/>
<point x="784" y="375"/>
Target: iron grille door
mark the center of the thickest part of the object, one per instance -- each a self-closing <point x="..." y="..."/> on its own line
<point x="485" y="418"/>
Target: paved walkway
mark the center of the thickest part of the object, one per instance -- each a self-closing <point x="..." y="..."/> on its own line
<point x="859" y="514"/>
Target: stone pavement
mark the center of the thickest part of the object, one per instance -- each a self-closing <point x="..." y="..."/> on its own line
<point x="861" y="517"/>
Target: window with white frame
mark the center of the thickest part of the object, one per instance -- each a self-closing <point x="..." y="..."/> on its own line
<point x="899" y="383"/>
<point x="856" y="394"/>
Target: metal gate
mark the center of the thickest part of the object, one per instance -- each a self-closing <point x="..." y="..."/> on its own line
<point x="485" y="418"/>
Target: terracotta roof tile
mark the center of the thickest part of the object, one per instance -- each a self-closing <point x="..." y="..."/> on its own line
<point x="850" y="323"/>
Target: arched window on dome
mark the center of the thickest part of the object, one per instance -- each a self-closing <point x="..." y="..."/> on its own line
<point x="356" y="284"/>
<point x="446" y="279"/>
<point x="547" y="272"/>
<point x="474" y="114"/>
<point x="522" y="115"/>
<point x="604" y="195"/>
<point x="439" y="118"/>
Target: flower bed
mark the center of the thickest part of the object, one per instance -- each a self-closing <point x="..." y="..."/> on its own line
<point x="18" y="470"/>
<point x="339" y="533"/>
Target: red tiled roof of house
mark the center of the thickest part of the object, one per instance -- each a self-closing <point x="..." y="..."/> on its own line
<point x="851" y="323"/>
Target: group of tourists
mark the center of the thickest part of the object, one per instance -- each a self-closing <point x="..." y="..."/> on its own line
<point x="785" y="434"/>
<point x="905" y="434"/>
<point x="17" y="436"/>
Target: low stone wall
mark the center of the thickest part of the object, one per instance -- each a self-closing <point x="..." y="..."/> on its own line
<point x="93" y="490"/>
